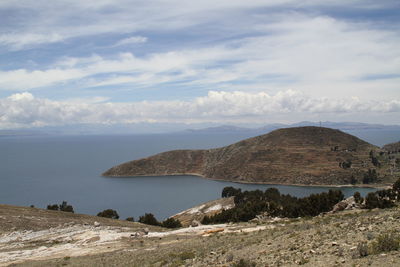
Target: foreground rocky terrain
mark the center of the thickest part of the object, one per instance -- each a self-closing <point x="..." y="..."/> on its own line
<point x="34" y="237"/>
<point x="302" y="155"/>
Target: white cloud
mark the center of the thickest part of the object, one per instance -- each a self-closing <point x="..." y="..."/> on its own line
<point x="319" y="55"/>
<point x="251" y="53"/>
<point x="20" y="41"/>
<point x="24" y="110"/>
<point x="132" y="40"/>
<point x="48" y="22"/>
<point x="156" y="68"/>
<point x="22" y="79"/>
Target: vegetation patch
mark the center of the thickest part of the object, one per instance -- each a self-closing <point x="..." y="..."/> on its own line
<point x="186" y="255"/>
<point x="109" y="213"/>
<point x="249" y="204"/>
<point x="385" y="243"/>
<point x="62" y="207"/>
<point x="148" y="218"/>
<point x="244" y="263"/>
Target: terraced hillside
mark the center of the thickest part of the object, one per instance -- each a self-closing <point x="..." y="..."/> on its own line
<point x="302" y="155"/>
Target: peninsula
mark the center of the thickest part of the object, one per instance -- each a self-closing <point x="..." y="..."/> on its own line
<point x="301" y="155"/>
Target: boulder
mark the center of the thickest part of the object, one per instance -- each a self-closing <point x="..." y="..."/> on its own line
<point x="347" y="204"/>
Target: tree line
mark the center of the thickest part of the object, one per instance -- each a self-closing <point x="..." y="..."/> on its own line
<point x="382" y="199"/>
<point x="249" y="204"/>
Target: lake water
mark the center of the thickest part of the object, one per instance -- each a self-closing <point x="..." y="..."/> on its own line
<point x="49" y="169"/>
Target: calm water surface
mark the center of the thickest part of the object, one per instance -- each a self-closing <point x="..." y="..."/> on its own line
<point x="46" y="170"/>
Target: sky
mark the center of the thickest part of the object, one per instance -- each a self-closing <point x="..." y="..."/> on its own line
<point x="111" y="62"/>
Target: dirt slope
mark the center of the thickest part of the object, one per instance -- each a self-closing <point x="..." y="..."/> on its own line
<point x="392" y="147"/>
<point x="326" y="240"/>
<point x="302" y="155"/>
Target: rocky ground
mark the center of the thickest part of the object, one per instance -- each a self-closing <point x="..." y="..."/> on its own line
<point x="194" y="215"/>
<point x="347" y="238"/>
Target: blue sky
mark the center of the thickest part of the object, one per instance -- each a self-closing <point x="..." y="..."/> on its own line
<point x="220" y="61"/>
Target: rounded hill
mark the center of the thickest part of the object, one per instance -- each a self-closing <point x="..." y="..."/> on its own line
<point x="301" y="155"/>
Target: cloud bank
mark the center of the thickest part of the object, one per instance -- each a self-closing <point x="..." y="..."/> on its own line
<point x="205" y="61"/>
<point x="25" y="110"/>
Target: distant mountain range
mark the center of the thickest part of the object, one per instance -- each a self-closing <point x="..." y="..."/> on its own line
<point x="181" y="128"/>
<point x="344" y="126"/>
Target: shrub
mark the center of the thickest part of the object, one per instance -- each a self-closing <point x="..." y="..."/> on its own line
<point x="378" y="200"/>
<point x="396" y="187"/>
<point x="230" y="191"/>
<point x="171" y="223"/>
<point x="370" y="176"/>
<point x="385" y="243"/>
<point x="206" y="220"/>
<point x="362" y="249"/>
<point x="357" y="197"/>
<point x="371" y="201"/>
<point x="65" y="207"/>
<point x="375" y="162"/>
<point x="244" y="263"/>
<point x="108" y="213"/>
<point x="186" y="255"/>
<point x="148" y="218"/>
<point x="353" y="180"/>
<point x="53" y="207"/>
<point x="62" y="207"/>
<point x="345" y="164"/>
<point x="130" y="219"/>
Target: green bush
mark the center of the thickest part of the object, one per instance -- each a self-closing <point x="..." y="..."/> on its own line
<point x="171" y="223"/>
<point x="148" y="218"/>
<point x="53" y="207"/>
<point x="379" y="199"/>
<point x="108" y="213"/>
<point x="357" y="197"/>
<point x="371" y="201"/>
<point x="230" y="191"/>
<point x="62" y="207"/>
<point x="65" y="207"/>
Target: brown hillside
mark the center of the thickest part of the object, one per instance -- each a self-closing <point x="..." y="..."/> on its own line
<point x="392" y="147"/>
<point x="302" y="155"/>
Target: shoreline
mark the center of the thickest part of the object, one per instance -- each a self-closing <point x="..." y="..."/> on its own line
<point x="375" y="186"/>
